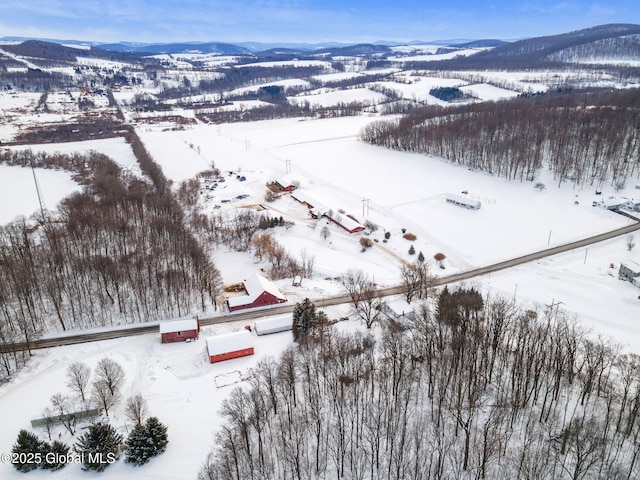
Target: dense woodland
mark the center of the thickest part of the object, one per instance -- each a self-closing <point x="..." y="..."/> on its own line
<point x="476" y="389"/>
<point x="121" y="251"/>
<point x="586" y="139"/>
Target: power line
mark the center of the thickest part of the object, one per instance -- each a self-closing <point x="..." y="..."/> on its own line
<point x="35" y="180"/>
<point x="365" y="204"/>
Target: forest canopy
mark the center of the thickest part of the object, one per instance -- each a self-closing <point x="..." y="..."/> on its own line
<point x="585" y="138"/>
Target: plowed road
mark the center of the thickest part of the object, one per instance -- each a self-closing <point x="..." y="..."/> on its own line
<point x="326" y="301"/>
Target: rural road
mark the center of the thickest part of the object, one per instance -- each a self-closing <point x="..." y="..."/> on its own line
<point x="322" y="302"/>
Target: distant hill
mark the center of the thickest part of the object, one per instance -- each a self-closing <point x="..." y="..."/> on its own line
<point x="170" y="48"/>
<point x="596" y="43"/>
<point x="488" y="43"/>
<point x="354" y="50"/>
<point x="55" y="52"/>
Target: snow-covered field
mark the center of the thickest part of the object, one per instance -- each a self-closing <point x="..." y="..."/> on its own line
<point x="395" y="190"/>
<point x="19" y="197"/>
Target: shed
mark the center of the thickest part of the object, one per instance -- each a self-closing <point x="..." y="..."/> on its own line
<point x="630" y="271"/>
<point x="179" y="330"/>
<point x="466" y="202"/>
<point x="259" y="292"/>
<point x="229" y="345"/>
<point x="398" y="309"/>
<point x="273" y="325"/>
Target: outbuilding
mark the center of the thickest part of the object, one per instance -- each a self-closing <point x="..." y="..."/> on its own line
<point x="398" y="309"/>
<point x="344" y="221"/>
<point x="229" y="345"/>
<point x="630" y="271"/>
<point x="179" y="330"/>
<point x="466" y="202"/>
<point x="273" y="325"/>
<point x="286" y="185"/>
<point x="259" y="292"/>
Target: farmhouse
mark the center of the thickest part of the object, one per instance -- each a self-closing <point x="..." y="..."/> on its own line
<point x="611" y="203"/>
<point x="179" y="330"/>
<point x="259" y="292"/>
<point x="465" y="202"/>
<point x="632" y="204"/>
<point x="630" y="271"/>
<point x="285" y="184"/>
<point x="398" y="309"/>
<point x="272" y="325"/>
<point x="230" y="345"/>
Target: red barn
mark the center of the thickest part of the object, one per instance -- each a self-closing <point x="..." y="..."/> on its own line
<point x="260" y="292"/>
<point x="349" y="224"/>
<point x="229" y="346"/>
<point x="179" y="330"/>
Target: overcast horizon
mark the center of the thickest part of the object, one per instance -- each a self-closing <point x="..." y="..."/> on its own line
<point x="302" y="21"/>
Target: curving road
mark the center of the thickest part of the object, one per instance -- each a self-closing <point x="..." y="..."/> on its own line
<point x="324" y="301"/>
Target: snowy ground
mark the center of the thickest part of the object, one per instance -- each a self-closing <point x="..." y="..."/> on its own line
<point x="182" y="389"/>
<point x="19" y="197"/>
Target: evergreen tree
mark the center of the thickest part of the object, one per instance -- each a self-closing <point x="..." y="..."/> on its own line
<point x="304" y="318"/>
<point x="420" y="257"/>
<point x="146" y="441"/>
<point x="98" y="446"/>
<point x="158" y="435"/>
<point x="28" y="447"/>
<point x="412" y="250"/>
<point x="57" y="460"/>
<point x="138" y="448"/>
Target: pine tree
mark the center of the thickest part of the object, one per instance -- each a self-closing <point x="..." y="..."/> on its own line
<point x="158" y="434"/>
<point x="103" y="443"/>
<point x="55" y="461"/>
<point x="146" y="441"/>
<point x="420" y="257"/>
<point x="31" y="447"/>
<point x="412" y="250"/>
<point x="138" y="448"/>
<point x="304" y="318"/>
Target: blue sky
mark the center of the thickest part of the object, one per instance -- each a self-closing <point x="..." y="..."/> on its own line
<point x="304" y="20"/>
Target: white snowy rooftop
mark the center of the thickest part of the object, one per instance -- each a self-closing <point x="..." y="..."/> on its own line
<point x="229" y="342"/>
<point x="178" y="325"/>
<point x="255" y="286"/>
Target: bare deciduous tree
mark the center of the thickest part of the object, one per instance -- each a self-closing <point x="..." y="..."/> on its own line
<point x="78" y="375"/>
<point x="136" y="409"/>
<point x="110" y="374"/>
<point x="63" y="407"/>
<point x="103" y="397"/>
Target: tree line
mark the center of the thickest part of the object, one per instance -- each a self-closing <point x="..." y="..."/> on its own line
<point x="120" y="251"/>
<point x="585" y="138"/>
<point x="475" y="388"/>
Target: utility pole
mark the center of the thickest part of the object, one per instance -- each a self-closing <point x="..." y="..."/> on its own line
<point x="365" y="204"/>
<point x="35" y="180"/>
